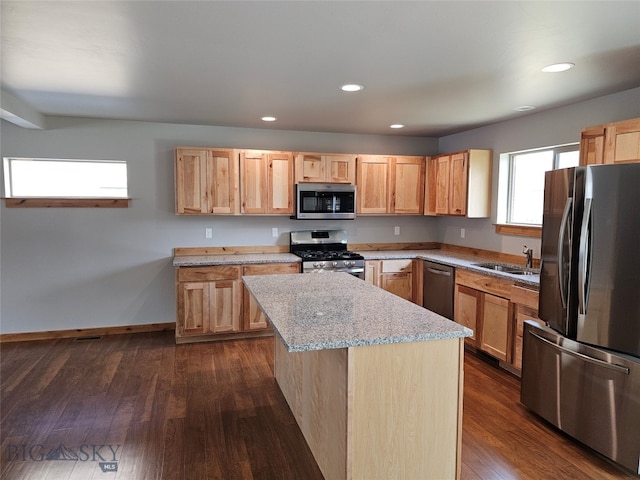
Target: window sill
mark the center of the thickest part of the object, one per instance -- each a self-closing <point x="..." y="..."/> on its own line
<point x="41" y="202"/>
<point x="519" y="230"/>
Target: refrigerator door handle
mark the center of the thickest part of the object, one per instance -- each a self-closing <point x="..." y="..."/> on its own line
<point x="612" y="366"/>
<point x="561" y="237"/>
<point x="584" y="258"/>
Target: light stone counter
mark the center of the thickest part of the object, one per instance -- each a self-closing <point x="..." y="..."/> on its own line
<point x="233" y="259"/>
<point x="338" y="310"/>
<point x="453" y="259"/>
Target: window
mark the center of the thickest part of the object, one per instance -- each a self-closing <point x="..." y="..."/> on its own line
<point x="52" y="178"/>
<point x="524" y="187"/>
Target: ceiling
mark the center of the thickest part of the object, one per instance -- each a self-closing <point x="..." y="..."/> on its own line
<point x="436" y="67"/>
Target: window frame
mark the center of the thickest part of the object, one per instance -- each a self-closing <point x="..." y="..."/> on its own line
<point x="504" y="224"/>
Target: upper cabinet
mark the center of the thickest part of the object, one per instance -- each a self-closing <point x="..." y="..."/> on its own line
<point x="390" y="185"/>
<point x="617" y="142"/>
<point x="459" y="184"/>
<point x="266" y="182"/>
<point x="206" y="181"/>
<point x="325" y="168"/>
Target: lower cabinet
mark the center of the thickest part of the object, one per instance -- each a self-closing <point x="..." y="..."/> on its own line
<point x="212" y="303"/>
<point x="393" y="275"/>
<point x="525" y="307"/>
<point x="254" y="319"/>
<point x="482" y="304"/>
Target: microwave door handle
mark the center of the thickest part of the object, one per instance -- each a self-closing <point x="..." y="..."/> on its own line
<point x="584" y="258"/>
<point x="561" y="237"/>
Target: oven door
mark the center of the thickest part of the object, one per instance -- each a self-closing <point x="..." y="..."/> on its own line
<point x="325" y="201"/>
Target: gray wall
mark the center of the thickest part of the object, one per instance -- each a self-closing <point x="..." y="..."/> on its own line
<point x="543" y="129"/>
<point x="81" y="268"/>
<point x="78" y="268"/>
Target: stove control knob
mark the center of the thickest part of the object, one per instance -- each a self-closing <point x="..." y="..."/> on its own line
<point x="335" y="264"/>
<point x="347" y="263"/>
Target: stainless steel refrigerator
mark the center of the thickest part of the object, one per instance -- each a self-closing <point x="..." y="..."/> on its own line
<point x="581" y="372"/>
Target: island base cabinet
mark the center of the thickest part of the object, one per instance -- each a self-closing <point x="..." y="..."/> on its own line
<point x="379" y="411"/>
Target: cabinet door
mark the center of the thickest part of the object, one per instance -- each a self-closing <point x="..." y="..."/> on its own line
<point x="254" y="178"/>
<point x="431" y="186"/>
<point x="373" y="184"/>
<point x="372" y="272"/>
<point x="253" y="317"/>
<point x="622" y="142"/>
<point x="223" y="182"/>
<point x="191" y="181"/>
<point x="592" y="146"/>
<point x="193" y="308"/>
<point x="458" y="181"/>
<point x="521" y="313"/>
<point x="496" y="327"/>
<point x="224" y="306"/>
<point x="400" y="284"/>
<point x="310" y="167"/>
<point x="280" y="190"/>
<point x="407" y="185"/>
<point x="465" y="311"/>
<point x="442" y="184"/>
<point x="340" y="168"/>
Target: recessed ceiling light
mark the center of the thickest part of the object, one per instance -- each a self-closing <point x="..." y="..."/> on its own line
<point x="351" y="87"/>
<point x="269" y="118"/>
<point x="558" y="67"/>
<point x="524" y="108"/>
<point x="396" y="125"/>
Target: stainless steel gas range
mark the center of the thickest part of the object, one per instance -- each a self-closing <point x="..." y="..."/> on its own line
<point x="324" y="251"/>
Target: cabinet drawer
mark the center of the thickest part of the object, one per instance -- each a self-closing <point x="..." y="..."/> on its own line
<point x="271" y="268"/>
<point x="403" y="265"/>
<point x="485" y="283"/>
<point x="524" y="296"/>
<point x="203" y="274"/>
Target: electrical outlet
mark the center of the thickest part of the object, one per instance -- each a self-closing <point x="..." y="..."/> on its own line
<point x="208" y="232"/>
<point x="274" y="232"/>
<point x="396" y="230"/>
<point x="462" y="233"/>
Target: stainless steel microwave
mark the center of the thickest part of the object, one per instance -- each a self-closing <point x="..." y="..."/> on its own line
<point x="327" y="201"/>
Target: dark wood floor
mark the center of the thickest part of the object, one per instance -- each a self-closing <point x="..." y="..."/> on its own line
<point x="154" y="410"/>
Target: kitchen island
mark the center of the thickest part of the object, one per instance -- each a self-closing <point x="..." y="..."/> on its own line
<point x="374" y="381"/>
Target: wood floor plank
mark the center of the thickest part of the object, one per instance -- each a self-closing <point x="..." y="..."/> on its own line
<point x="214" y="411"/>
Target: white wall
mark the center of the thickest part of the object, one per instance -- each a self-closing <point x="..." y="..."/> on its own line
<point x="543" y="129"/>
<point x="79" y="268"/>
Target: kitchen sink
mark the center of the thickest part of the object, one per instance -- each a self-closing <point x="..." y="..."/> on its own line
<point x="506" y="268"/>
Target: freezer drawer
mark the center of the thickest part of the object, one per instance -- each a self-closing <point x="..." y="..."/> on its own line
<point x="589" y="393"/>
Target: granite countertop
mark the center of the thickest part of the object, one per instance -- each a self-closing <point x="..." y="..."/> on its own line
<point x="454" y="259"/>
<point x="446" y="257"/>
<point x="232" y="259"/>
<point x="317" y="312"/>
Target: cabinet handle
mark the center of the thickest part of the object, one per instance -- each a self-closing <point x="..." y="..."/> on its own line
<point x="438" y="272"/>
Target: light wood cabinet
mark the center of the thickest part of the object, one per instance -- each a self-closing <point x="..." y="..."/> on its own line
<point x="496" y="327"/>
<point x="482" y="304"/>
<point x="266" y="182"/>
<point x="212" y="303"/>
<point x="390" y="185"/>
<point x="459" y="184"/>
<point x="207" y="181"/>
<point x="325" y="168"/>
<point x="617" y="142"/>
<point x="394" y="275"/>
<point x="525" y="307"/>
<point x="208" y="300"/>
<point x="253" y="317"/>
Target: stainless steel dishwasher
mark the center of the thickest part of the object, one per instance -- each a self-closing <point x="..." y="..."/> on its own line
<point x="438" y="284"/>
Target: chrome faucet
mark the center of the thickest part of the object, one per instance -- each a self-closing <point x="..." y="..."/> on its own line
<point x="529" y="253"/>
